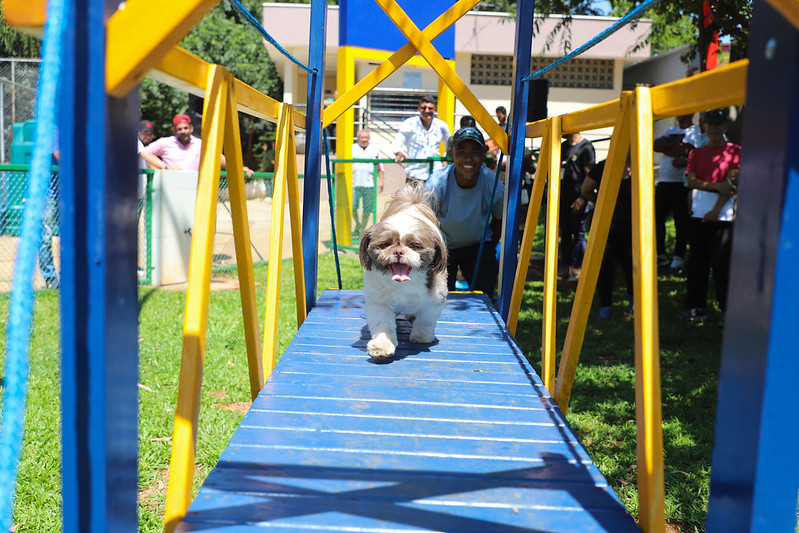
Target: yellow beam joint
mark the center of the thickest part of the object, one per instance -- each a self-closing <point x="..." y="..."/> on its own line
<point x="195" y="323"/>
<point x="440" y="65"/>
<point x="528" y="236"/>
<point x="285" y="166"/>
<point x="406" y="54"/>
<point x="721" y="87"/>
<point x="536" y="129"/>
<point x="242" y="242"/>
<point x="591" y="118"/>
<point x="595" y="250"/>
<point x="651" y="506"/>
<point x="136" y="40"/>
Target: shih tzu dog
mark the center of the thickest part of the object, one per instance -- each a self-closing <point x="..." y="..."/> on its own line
<point x="404" y="260"/>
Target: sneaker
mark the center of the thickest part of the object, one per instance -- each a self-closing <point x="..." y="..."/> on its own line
<point x="140" y="272"/>
<point x="574" y="274"/>
<point x="694" y="314"/>
<point x="563" y="273"/>
<point x="663" y="260"/>
<point x="604" y="312"/>
<point x="677" y="263"/>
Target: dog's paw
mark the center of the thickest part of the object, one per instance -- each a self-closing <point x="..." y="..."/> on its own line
<point x="422" y="337"/>
<point x="380" y="347"/>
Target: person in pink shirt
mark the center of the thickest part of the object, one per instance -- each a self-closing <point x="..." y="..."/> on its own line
<point x="180" y="151"/>
<point x="712" y="177"/>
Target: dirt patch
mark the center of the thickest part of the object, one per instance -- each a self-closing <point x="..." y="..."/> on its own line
<point x="153" y="498"/>
<point x="218" y="394"/>
<point x="237" y="407"/>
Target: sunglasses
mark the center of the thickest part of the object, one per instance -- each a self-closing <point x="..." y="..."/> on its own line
<point x="426" y="107"/>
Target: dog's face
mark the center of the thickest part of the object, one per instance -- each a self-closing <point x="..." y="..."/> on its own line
<point x="402" y="246"/>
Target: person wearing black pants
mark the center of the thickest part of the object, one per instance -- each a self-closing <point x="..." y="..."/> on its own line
<point x="712" y="174"/>
<point x="466" y="259"/>
<point x="619" y="247"/>
<point x="711" y="249"/>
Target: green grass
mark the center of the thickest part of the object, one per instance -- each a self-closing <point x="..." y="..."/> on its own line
<point x="602" y="409"/>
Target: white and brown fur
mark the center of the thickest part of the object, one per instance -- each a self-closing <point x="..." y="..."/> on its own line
<point x="408" y="233"/>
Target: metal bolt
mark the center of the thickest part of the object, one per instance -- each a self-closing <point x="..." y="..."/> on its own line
<point x="771" y="48"/>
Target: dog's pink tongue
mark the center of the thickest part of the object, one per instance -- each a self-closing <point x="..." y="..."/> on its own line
<point x="400" y="272"/>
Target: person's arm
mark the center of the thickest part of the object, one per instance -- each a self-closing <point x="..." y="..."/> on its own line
<point x="153" y="160"/>
<point x="732" y="181"/>
<point x="247" y="171"/>
<point x="380" y="177"/>
<point x="400" y="140"/>
<point x="496" y="230"/>
<point x="587" y="194"/>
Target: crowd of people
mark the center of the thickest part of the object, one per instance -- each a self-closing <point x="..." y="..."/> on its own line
<point x="696" y="187"/>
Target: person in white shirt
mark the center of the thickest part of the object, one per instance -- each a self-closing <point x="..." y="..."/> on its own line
<point x="421" y="138"/>
<point x="671" y="194"/>
<point x="363" y="182"/>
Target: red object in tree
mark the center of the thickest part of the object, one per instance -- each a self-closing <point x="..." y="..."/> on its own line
<point x="711" y="59"/>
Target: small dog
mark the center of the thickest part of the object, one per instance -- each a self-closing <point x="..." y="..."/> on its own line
<point x="404" y="259"/>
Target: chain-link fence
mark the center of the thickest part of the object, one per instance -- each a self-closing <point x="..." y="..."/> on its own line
<point x="18" y="81"/>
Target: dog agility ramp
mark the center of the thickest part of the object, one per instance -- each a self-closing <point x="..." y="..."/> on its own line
<point x="460" y="435"/>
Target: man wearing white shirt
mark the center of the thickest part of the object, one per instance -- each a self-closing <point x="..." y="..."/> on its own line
<point x="421" y="138"/>
<point x="363" y="182"/>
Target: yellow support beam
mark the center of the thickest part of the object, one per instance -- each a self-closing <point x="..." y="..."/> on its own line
<point x="27" y="16"/>
<point x="548" y="348"/>
<point x="345" y="132"/>
<point x="136" y="40"/>
<point x="721" y="87"/>
<point x="595" y="248"/>
<point x="788" y="9"/>
<point x="242" y="242"/>
<point x="651" y="506"/>
<point x="390" y="63"/>
<point x="530" y="224"/>
<point x="195" y="322"/>
<point x="285" y="170"/>
<point x="442" y="68"/>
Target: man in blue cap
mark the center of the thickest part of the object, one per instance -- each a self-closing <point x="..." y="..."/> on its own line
<point x="463" y="197"/>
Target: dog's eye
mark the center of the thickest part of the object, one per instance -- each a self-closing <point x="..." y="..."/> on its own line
<point x="382" y="244"/>
<point x="415" y="246"/>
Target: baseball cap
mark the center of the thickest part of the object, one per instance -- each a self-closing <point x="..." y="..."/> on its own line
<point x="181" y="118"/>
<point x="468" y="134"/>
<point x="145" y="125"/>
<point x="716" y="116"/>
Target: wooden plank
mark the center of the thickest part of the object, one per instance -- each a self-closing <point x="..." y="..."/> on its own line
<point x="458" y="435"/>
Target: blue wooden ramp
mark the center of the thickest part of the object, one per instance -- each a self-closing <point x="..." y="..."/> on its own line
<point x="460" y="435"/>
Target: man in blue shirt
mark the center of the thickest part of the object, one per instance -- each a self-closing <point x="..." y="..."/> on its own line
<point x="464" y="195"/>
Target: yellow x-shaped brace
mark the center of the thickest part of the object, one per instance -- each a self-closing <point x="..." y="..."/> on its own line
<point x="420" y="41"/>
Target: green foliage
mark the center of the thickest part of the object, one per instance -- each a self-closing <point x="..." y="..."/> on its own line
<point x="16" y="44"/>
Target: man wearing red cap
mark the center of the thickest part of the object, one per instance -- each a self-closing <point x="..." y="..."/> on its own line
<point x="180" y="151"/>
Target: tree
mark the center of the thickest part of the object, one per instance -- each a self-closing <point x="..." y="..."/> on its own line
<point x="677" y="22"/>
<point x="224" y="38"/>
<point x="16" y="44"/>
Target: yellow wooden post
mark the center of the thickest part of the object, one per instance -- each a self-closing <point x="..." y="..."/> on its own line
<point x="285" y="166"/>
<point x="651" y="506"/>
<point x="446" y="105"/>
<point x="530" y="224"/>
<point x="595" y="249"/>
<point x="241" y="239"/>
<point x="548" y="347"/>
<point x="295" y="217"/>
<point x="195" y="323"/>
<point x="345" y="133"/>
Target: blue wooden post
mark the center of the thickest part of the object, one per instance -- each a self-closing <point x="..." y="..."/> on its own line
<point x="313" y="149"/>
<point x="99" y="306"/>
<point x="755" y="469"/>
<point x="513" y="178"/>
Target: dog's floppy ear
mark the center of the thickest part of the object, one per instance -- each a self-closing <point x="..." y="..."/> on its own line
<point x="363" y="250"/>
<point x="439" y="263"/>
